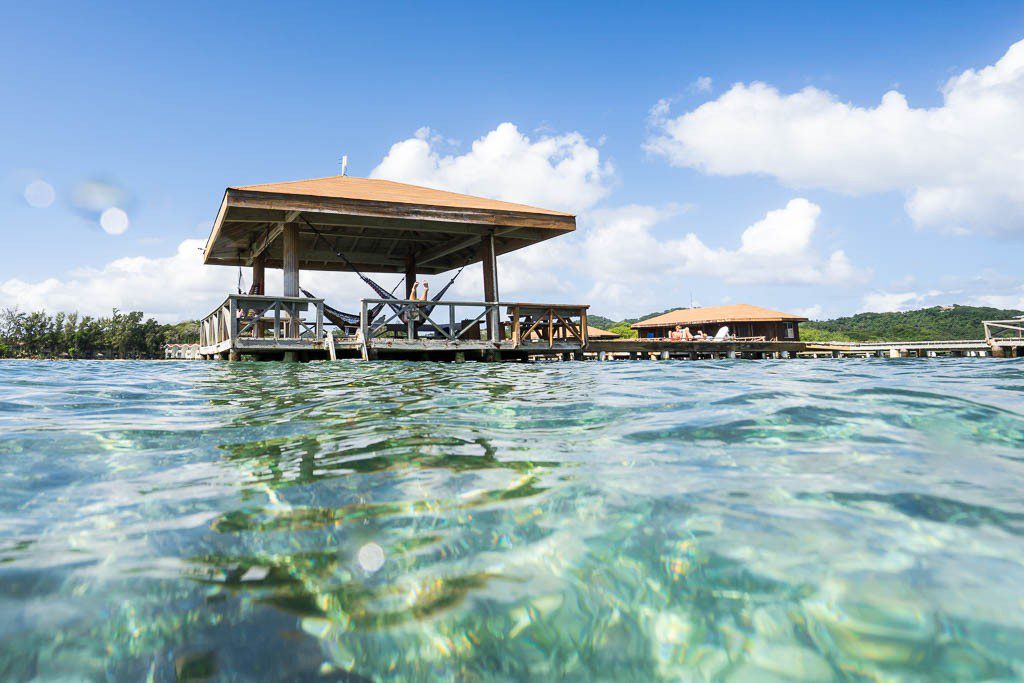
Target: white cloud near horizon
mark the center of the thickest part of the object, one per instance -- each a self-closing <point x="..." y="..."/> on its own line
<point x="560" y="172"/>
<point x="625" y="265"/>
<point x="958" y="165"/>
<point x="556" y="171"/>
<point x="988" y="288"/>
<point x="163" y="287"/>
<point x="170" y="289"/>
<point x="624" y="256"/>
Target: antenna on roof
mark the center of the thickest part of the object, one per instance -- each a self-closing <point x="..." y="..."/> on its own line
<point x="344" y="163"/>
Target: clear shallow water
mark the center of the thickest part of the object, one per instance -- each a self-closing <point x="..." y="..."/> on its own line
<point x="719" y="520"/>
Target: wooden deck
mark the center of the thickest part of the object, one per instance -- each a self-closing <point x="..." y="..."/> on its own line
<point x="1005" y="337"/>
<point x="643" y="349"/>
<point x="294" y="328"/>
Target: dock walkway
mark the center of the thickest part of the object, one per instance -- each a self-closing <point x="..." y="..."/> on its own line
<point x="664" y="349"/>
<point x="294" y="328"/>
<point x="920" y="349"/>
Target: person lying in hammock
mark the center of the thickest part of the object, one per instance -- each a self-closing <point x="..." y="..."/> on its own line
<point x="414" y="294"/>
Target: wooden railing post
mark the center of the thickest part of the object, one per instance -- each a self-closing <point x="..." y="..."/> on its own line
<point x="232" y="319"/>
<point x="516" y="329"/>
<point x="364" y="324"/>
<point x="319" y="320"/>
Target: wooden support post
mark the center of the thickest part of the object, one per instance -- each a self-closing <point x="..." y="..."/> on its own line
<point x="490" y="267"/>
<point x="259" y="274"/>
<point x="290" y="259"/>
<point x="410" y="275"/>
<point x="664" y="355"/>
<point x="234" y="355"/>
<point x="489" y="262"/>
<point x="601" y="355"/>
<point x="290" y="265"/>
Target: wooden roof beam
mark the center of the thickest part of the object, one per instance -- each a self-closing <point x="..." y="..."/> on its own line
<point x="459" y="244"/>
<point x="264" y="243"/>
<point x="442" y="250"/>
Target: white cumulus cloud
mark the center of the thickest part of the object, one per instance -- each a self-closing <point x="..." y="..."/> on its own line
<point x="625" y="256"/>
<point x="170" y="288"/>
<point x="561" y="172"/>
<point x="958" y="164"/>
<point x="888" y="302"/>
<point x="702" y="84"/>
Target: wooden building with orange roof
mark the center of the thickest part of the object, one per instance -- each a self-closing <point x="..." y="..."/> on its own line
<point x="743" y="320"/>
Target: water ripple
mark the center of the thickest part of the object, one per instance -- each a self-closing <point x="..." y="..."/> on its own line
<point x="729" y="520"/>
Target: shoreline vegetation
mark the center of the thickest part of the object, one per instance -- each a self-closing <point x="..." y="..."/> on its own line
<point x="131" y="335"/>
<point x="67" y="335"/>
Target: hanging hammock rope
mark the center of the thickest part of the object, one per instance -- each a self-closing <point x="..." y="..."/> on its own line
<point x="381" y="292"/>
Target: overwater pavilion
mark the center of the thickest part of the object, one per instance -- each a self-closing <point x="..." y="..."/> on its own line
<point x="362" y="225"/>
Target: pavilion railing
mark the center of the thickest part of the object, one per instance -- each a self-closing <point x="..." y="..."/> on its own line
<point x="548" y="324"/>
<point x="250" y="316"/>
<point x="458" y="321"/>
<point x="1003" y="329"/>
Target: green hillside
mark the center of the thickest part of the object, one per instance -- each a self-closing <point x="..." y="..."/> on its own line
<point x="925" y="324"/>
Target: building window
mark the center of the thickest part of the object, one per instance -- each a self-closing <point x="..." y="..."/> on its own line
<point x="790" y="330"/>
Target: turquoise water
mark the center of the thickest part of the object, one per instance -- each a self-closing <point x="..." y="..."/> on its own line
<point x="738" y="520"/>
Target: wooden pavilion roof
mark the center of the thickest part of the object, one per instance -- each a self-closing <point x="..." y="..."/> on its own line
<point x="377" y="224"/>
<point x="718" y="314"/>
<point x="598" y="333"/>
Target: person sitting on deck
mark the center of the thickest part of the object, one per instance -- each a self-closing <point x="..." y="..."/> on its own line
<point x="680" y="334"/>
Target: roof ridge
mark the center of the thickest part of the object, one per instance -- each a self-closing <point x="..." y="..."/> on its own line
<point x="509" y="205"/>
<point x="292" y="182"/>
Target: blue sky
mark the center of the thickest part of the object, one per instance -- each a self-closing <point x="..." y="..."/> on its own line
<point x="161" y="107"/>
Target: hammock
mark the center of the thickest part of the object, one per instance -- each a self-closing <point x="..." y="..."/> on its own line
<point x="343" y="319"/>
<point x="399" y="309"/>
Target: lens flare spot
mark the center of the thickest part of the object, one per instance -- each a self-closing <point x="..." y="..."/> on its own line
<point x="39" y="194"/>
<point x="114" y="221"/>
<point x="371" y="557"/>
